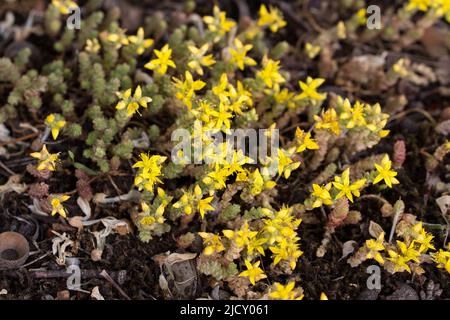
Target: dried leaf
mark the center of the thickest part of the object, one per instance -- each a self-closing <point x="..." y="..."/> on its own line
<point x="85" y="207"/>
<point x="96" y="294"/>
<point x="13" y="185"/>
<point x="444" y="204"/>
<point x="347" y="248"/>
<point x="443" y="128"/>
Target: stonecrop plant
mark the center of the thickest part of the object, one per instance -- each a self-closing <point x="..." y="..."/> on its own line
<point x="211" y="78"/>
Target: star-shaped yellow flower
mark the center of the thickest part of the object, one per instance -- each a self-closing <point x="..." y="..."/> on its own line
<point x="199" y="58"/>
<point x="218" y="23"/>
<point x="309" y="89"/>
<point x="304" y="141"/>
<point x="253" y="272"/>
<point x="346" y="189"/>
<point x="47" y="160"/>
<point x="375" y="246"/>
<point x="321" y="195"/>
<point x="270" y="74"/>
<point x="55" y="122"/>
<point x="163" y="60"/>
<point x="385" y="173"/>
<point x="132" y="103"/>
<point x="56" y="203"/>
<point x="272" y="18"/>
<point x="239" y="55"/>
<point x="286" y="292"/>
<point x="140" y="42"/>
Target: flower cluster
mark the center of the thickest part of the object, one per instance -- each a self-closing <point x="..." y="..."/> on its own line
<point x="406" y="254"/>
<point x="209" y="77"/>
<point x="132" y="103"/>
<point x="342" y="185"/>
<point x="441" y="8"/>
<point x="149" y="171"/>
<point x="359" y="117"/>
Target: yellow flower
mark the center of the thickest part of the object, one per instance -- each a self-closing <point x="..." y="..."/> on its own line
<point x="193" y="200"/>
<point x="253" y="272"/>
<point x="57" y="207"/>
<point x="163" y="61"/>
<point x="286" y="292"/>
<point x="310" y="89"/>
<point x="132" y="103"/>
<point x="255" y="245"/>
<point x="401" y="258"/>
<point x="185" y="202"/>
<point x="187" y="88"/>
<point x="410" y="253"/>
<point x="147" y="220"/>
<point x="47" y="161"/>
<point x="322" y="195"/>
<point x="92" y="45"/>
<point x="311" y="50"/>
<point x="218" y="178"/>
<point x="239" y="55"/>
<point x="140" y="42"/>
<point x="149" y="215"/>
<point x="241" y="237"/>
<point x="269" y="74"/>
<point x="119" y="38"/>
<point x="236" y="162"/>
<point x="212" y="242"/>
<point x="257" y="183"/>
<point x="199" y="59"/>
<point x="55" y="122"/>
<point x="304" y="141"/>
<point x="422" y="238"/>
<point x="221" y="118"/>
<point x="447" y="144"/>
<point x="281" y="225"/>
<point x="64" y="6"/>
<point x="341" y="30"/>
<point x="353" y="115"/>
<point x="361" y="16"/>
<point x="221" y="89"/>
<point x="286" y="250"/>
<point x="323" y="296"/>
<point x="282" y="96"/>
<point x="240" y="94"/>
<point x="149" y="171"/>
<point x="272" y="17"/>
<point x="374" y="247"/>
<point x="401" y="67"/>
<point x="442" y="8"/>
<point x="376" y="120"/>
<point x="346" y="189"/>
<point x="203" y="205"/>
<point x="165" y="200"/>
<point x="218" y="23"/>
<point x="385" y="173"/>
<point x="442" y="259"/>
<point x="328" y="120"/>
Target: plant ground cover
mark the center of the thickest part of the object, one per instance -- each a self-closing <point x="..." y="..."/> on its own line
<point x="59" y="86"/>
